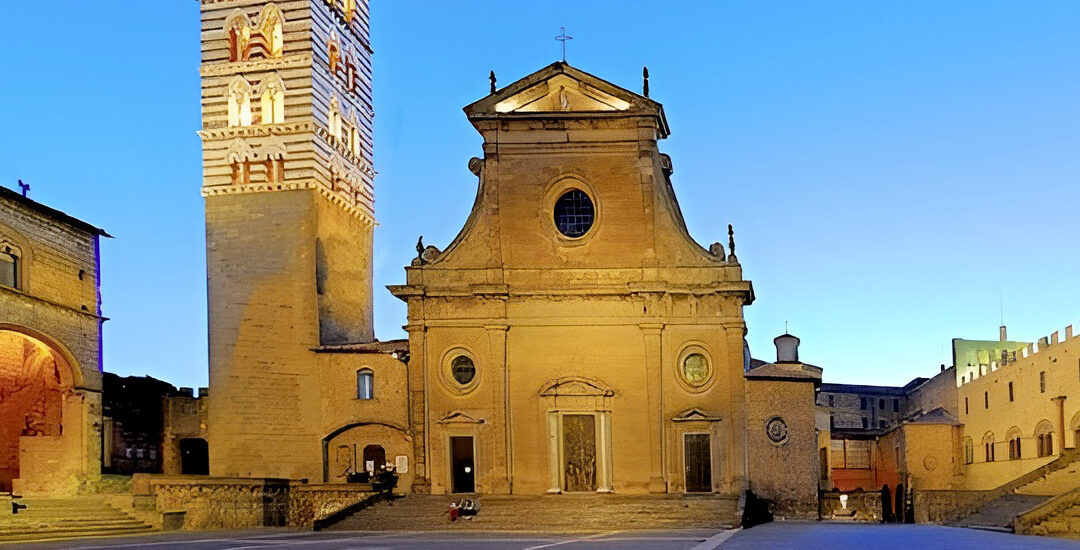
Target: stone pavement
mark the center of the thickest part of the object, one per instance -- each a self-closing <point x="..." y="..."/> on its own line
<point x="834" y="536"/>
<point x="369" y="540"/>
<point x="775" y="536"/>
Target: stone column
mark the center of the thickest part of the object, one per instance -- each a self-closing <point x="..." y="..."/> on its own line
<point x="654" y="381"/>
<point x="502" y="458"/>
<point x="1061" y="424"/>
<point x="418" y="414"/>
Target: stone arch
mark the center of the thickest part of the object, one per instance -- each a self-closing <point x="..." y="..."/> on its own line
<point x="272" y="100"/>
<point x="342" y="448"/>
<point x="38" y="378"/>
<point x="1074" y="427"/>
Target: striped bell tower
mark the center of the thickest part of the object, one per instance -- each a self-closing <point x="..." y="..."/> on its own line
<point x="288" y="184"/>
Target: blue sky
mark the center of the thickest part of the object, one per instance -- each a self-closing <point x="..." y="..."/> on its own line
<point x="893" y="170"/>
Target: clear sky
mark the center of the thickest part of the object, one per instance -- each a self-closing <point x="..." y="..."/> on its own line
<point x="894" y="170"/>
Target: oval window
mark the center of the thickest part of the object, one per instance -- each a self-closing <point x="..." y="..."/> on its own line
<point x="463" y="370"/>
<point x="574" y="213"/>
<point x="695" y="368"/>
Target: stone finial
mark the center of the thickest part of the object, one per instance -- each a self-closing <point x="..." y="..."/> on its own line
<point x="491" y="77"/>
<point x="645" y="81"/>
<point x="717" y="249"/>
<point x="731" y="244"/>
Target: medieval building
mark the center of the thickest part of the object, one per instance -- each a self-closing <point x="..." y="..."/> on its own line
<point x="50" y="349"/>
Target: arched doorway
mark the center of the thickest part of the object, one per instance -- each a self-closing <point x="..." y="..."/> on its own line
<point x="36" y="381"/>
<point x="374" y="457"/>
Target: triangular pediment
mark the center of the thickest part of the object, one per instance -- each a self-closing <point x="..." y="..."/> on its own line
<point x="695" y="415"/>
<point x="576" y="386"/>
<point x="560" y="88"/>
<point x="459" y="417"/>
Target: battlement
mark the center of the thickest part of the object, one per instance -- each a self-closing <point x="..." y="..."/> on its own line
<point x="1033" y="351"/>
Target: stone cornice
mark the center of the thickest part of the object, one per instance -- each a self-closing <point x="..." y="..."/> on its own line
<point x="349" y="206"/>
<point x="298" y="61"/>
<point x="257" y="130"/>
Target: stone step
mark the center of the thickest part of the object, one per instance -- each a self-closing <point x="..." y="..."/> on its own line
<point x="556" y="512"/>
<point x="79" y="533"/>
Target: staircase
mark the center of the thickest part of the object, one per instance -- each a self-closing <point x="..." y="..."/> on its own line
<point x="63" y="518"/>
<point x="998" y="514"/>
<point x="550" y="513"/>
<point x="1024" y="493"/>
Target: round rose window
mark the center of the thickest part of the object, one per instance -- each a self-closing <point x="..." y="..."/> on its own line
<point x="695" y="368"/>
<point x="463" y="370"/>
<point x="574" y="213"/>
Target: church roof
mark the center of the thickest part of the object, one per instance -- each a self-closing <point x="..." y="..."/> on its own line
<point x="562" y="90"/>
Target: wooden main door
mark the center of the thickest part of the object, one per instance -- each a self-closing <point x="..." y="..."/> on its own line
<point x="579" y="452"/>
<point x="698" y="463"/>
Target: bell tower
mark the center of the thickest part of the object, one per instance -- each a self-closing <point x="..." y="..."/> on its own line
<point x="288" y="184"/>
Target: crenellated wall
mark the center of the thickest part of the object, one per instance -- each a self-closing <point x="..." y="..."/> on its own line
<point x="1045" y="385"/>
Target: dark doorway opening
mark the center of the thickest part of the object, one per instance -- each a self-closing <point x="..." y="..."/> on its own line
<point x="698" y="463"/>
<point x="463" y="469"/>
<point x="194" y="457"/>
<point x="374" y="456"/>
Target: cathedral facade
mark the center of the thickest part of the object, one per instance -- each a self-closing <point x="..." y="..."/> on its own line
<point x="573" y="337"/>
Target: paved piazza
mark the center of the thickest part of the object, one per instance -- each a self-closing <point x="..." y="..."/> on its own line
<point x="786" y="536"/>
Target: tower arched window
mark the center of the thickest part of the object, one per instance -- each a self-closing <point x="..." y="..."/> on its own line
<point x="333" y="52"/>
<point x="270" y="26"/>
<point x="350" y="9"/>
<point x="365" y="384"/>
<point x="9" y="267"/>
<point x="335" y="119"/>
<point x="238" y="35"/>
<point x="273" y="103"/>
<point x="239" y="99"/>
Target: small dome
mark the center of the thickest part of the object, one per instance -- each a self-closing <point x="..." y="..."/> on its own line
<point x="787" y="348"/>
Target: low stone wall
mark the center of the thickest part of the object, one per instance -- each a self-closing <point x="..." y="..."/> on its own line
<point x="862" y="506"/>
<point x="945" y="506"/>
<point x="1057" y="516"/>
<point x="208" y="503"/>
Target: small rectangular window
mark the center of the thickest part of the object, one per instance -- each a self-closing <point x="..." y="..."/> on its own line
<point x="986" y="400"/>
<point x="865" y="422"/>
<point x="830" y="401"/>
<point x="966" y="410"/>
<point x="895" y="405"/>
<point x="1010" y="392"/>
<point x="1042" y="382"/>
<point x="881" y="404"/>
<point x="365" y="384"/>
<point x="881" y="424"/>
<point x="862" y="403"/>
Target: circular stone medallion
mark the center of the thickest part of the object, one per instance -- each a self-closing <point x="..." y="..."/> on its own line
<point x="776" y="430"/>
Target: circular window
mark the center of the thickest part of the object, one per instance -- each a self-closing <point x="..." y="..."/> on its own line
<point x="574" y="213"/>
<point x="463" y="370"/>
<point x="696" y="368"/>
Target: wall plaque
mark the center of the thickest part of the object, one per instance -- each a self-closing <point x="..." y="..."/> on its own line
<point x="776" y="430"/>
